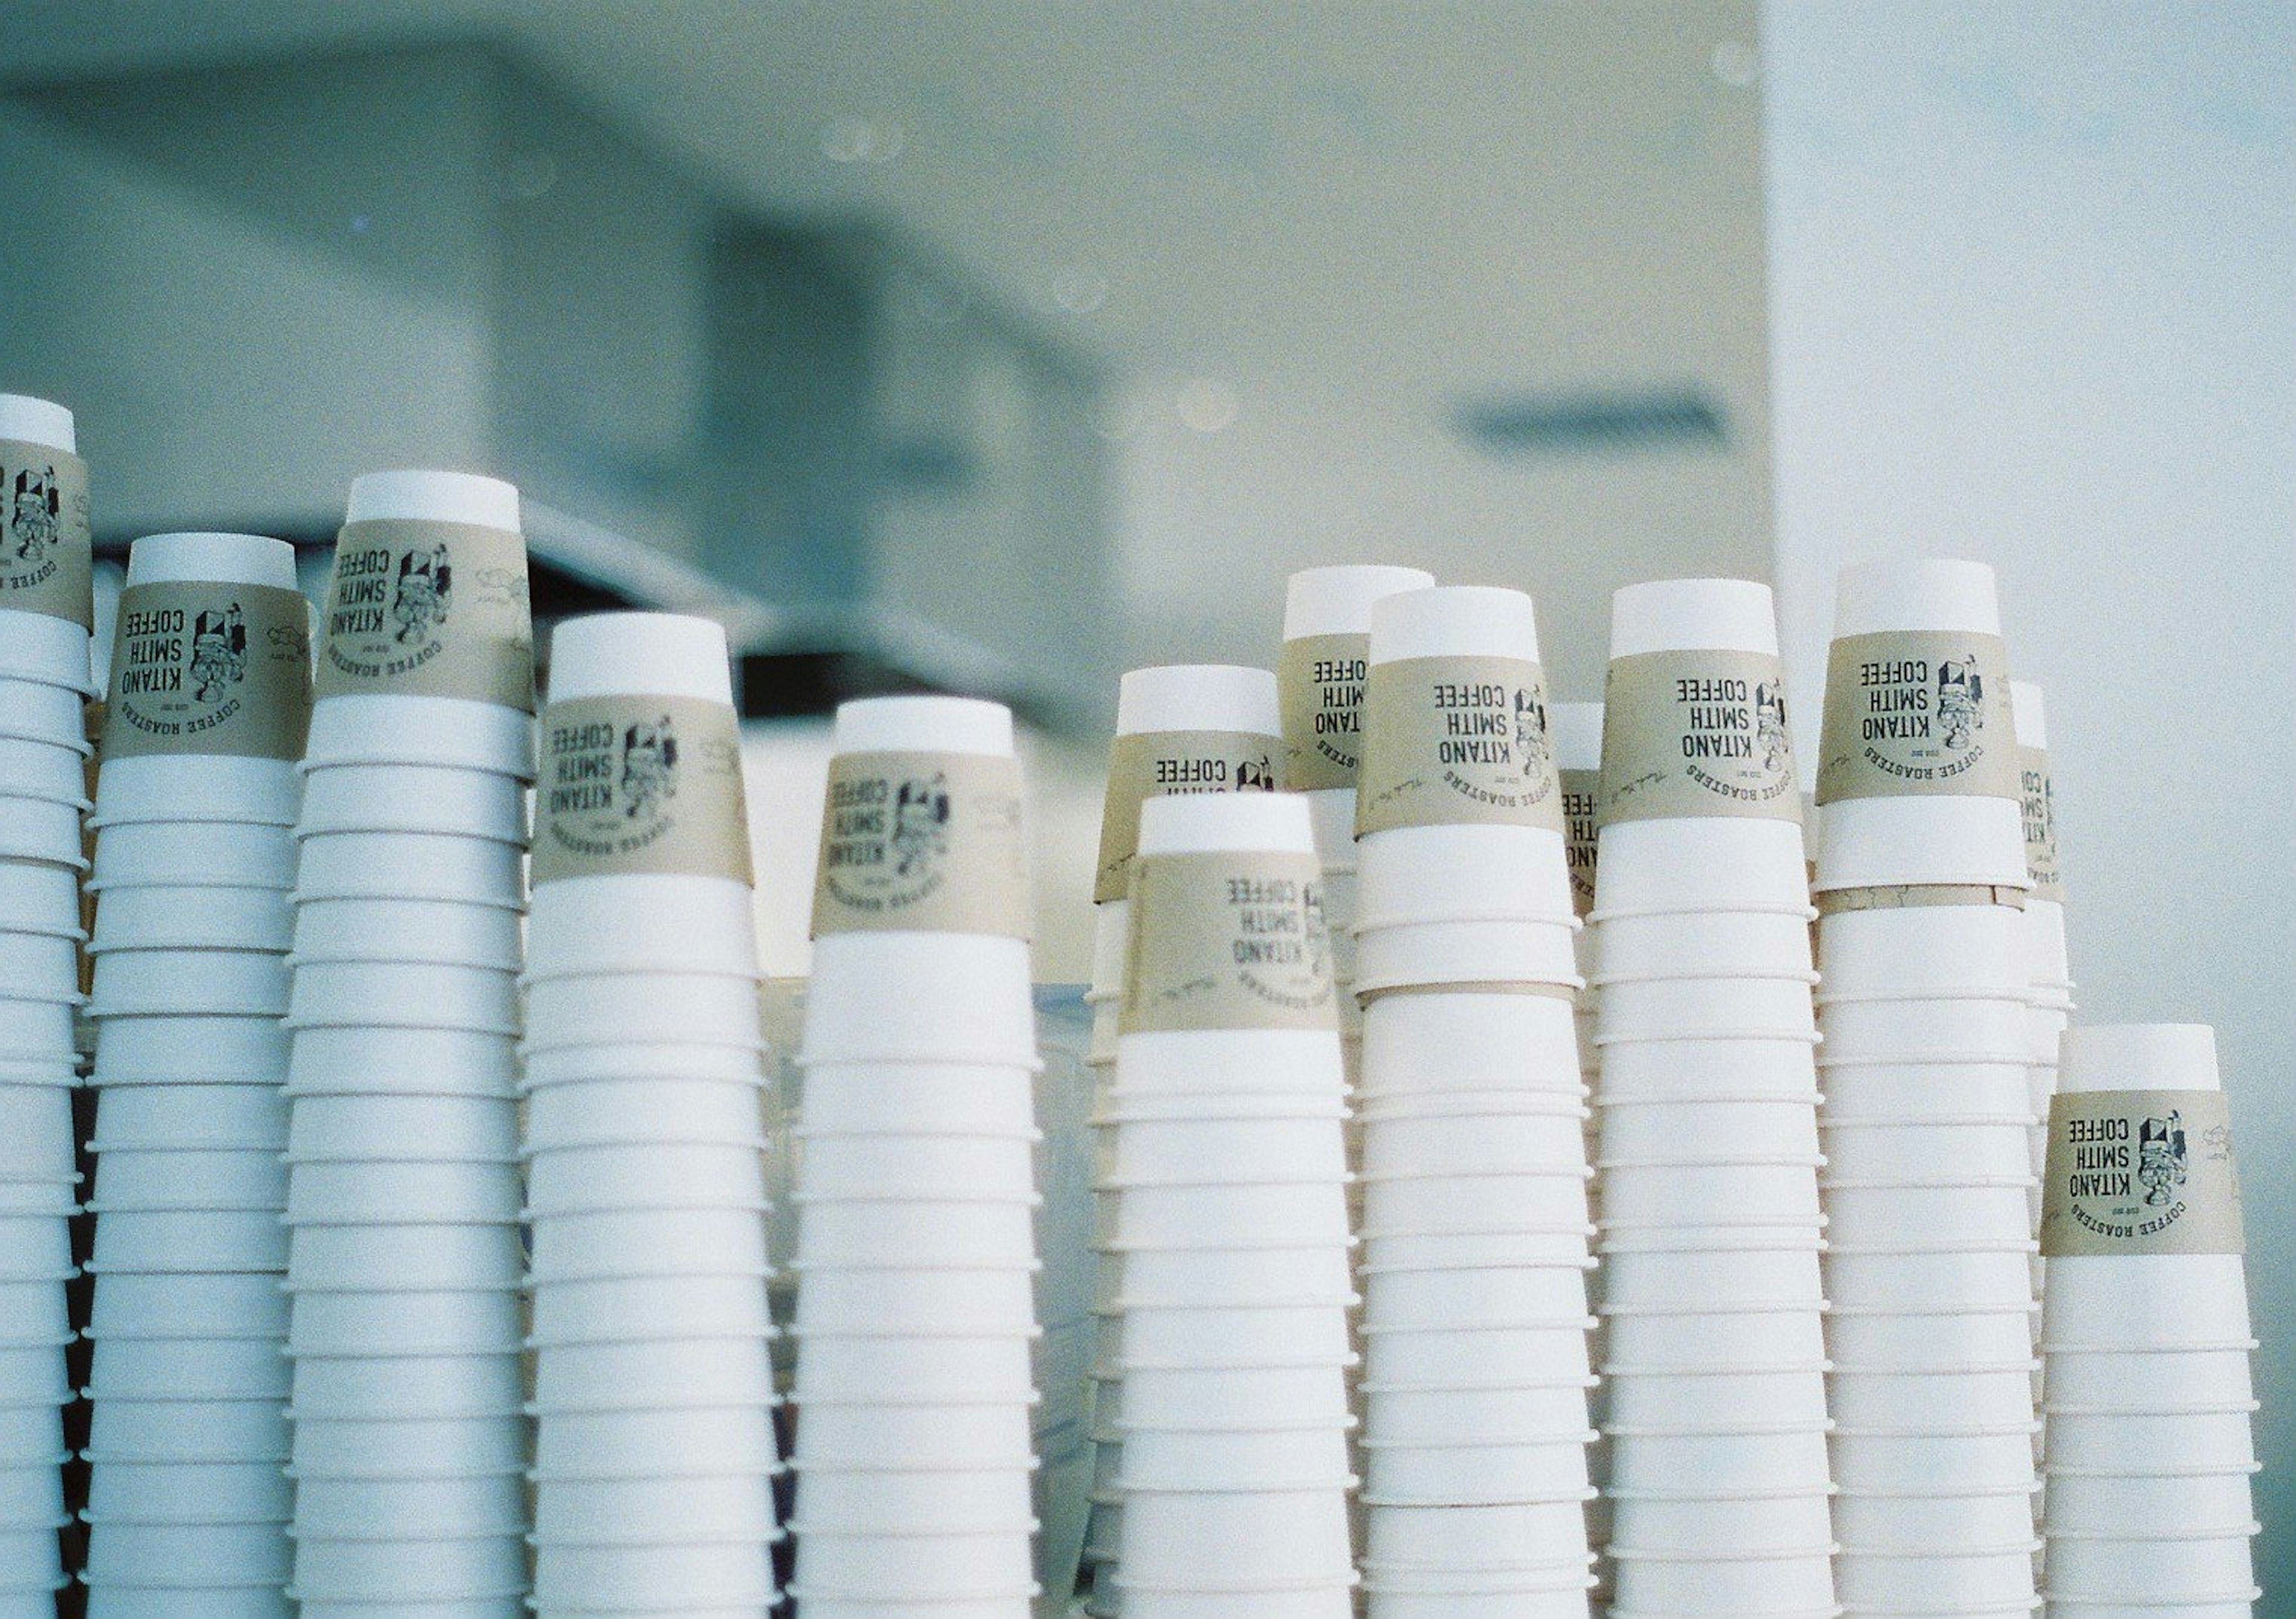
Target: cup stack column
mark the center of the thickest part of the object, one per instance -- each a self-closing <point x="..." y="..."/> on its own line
<point x="1187" y="728"/>
<point x="46" y="610"/>
<point x="195" y="805"/>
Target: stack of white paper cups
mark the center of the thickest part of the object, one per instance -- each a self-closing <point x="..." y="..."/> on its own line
<point x="45" y="612"/>
<point x="404" y="1254"/>
<point x="1927" y="982"/>
<point x="1187" y="728"/>
<point x="210" y="700"/>
<point x="916" y="1256"/>
<point x="1232" y="1222"/>
<point x="2045" y="915"/>
<point x="1475" y="1223"/>
<point x="654" y="1450"/>
<point x="1714" y="1367"/>
<point x="2146" y="1334"/>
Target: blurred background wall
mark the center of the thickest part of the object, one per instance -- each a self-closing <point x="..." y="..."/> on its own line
<point x="999" y="347"/>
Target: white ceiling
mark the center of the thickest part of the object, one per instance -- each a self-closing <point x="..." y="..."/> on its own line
<point x="1336" y="219"/>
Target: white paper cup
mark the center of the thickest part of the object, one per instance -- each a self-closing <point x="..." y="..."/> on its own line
<point x="656" y="922"/>
<point x="1438" y="1540"/>
<point x="404" y="1129"/>
<point x="43" y="710"/>
<point x="1423" y="875"/>
<point x="968" y="1005"/>
<point x="458" y="1323"/>
<point x="40" y="899"/>
<point x="1863" y="1216"/>
<point x="1408" y="955"/>
<point x="1946" y="1281"/>
<point x="36" y="1245"/>
<point x="232" y="1050"/>
<point x="921" y="1233"/>
<point x="189" y="1430"/>
<point x="1238" y="1396"/>
<point x="1476" y="1358"/>
<point x="1704" y="1009"/>
<point x="1324" y="1599"/>
<point x="1474" y="1205"/>
<point x="403" y="995"/>
<point x="1711" y="1132"/>
<point x="1235" y="1531"/>
<point x="1652" y="1527"/>
<point x="666" y="1241"/>
<point x="733" y="1062"/>
<point x="737" y="1439"/>
<point x="863" y="1434"/>
<point x="1530" y="1413"/>
<point x="705" y="1579"/>
<point x="417" y="1510"/>
<point x="1790" y="1580"/>
<point x="609" y="1309"/>
<point x="1964" y="1030"/>
<point x="1689" y="1196"/>
<point x="1952" y="1154"/>
<point x="407" y="866"/>
<point x="40" y="965"/>
<point x="439" y="931"/>
<point x="2142" y="1381"/>
<point x="1990" y="1579"/>
<point x="2194" y="1299"/>
<point x="191" y="917"/>
<point x="461" y="1446"/>
<point x="1477" y="1475"/>
<point x="1899" y="1463"/>
<point x="896" y="1299"/>
<point x="658" y="1510"/>
<point x="200" y="1177"/>
<point x="966" y="1168"/>
<point x="170" y="1369"/>
<point x="862" y="1366"/>
<point x="30" y="1027"/>
<point x="1911" y="1093"/>
<point x="159" y="789"/>
<point x="464" y="1566"/>
<point x="640" y="1111"/>
<point x="437" y="732"/>
<point x="2136" y="1505"/>
<point x="1702" y="945"/>
<point x="1227" y="1460"/>
<point x="1289" y="1215"/>
<point x="424" y="1388"/>
<point x="1712" y="1465"/>
<point x="159" y="1118"/>
<point x="1658" y="1344"/>
<point x="174" y="983"/>
<point x="1947" y="1516"/>
<point x="1444" y="1042"/>
<point x="656" y="1006"/>
<point x="107" y="1601"/>
<point x="2165" y="1567"/>
<point x="170" y="1558"/>
<point x="1565" y="1245"/>
<point x="331" y="1061"/>
<point x="1472" y="1145"/>
<point x="190" y="1492"/>
<point x="2241" y="1605"/>
<point x="188" y="1240"/>
<point x="1968" y="1398"/>
<point x="920" y="1097"/>
<point x="1718" y="863"/>
<point x="1922" y="1341"/>
<point x="662" y="1374"/>
<point x="1935" y="950"/>
<point x="178" y="1306"/>
<point x="1720" y="1403"/>
<point x="1714" y="1070"/>
<point x="1459" y="1299"/>
<point x="573" y="1179"/>
<point x="405" y="1258"/>
<point x="36" y="1135"/>
<point x="386" y="1192"/>
<point x="1208" y="1338"/>
<point x="1883" y="843"/>
<point x="1183" y="1152"/>
<point x="193" y="854"/>
<point x="2170" y="1441"/>
<point x="1178" y="1278"/>
<point x="416" y="798"/>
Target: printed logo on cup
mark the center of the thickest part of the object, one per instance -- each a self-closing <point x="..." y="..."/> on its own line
<point x="1227" y="941"/>
<point x="640" y="784"/>
<point x="1582" y="795"/>
<point x="1319" y="681"/>
<point x="1151" y="763"/>
<point x="44" y="555"/>
<point x="923" y="842"/>
<point x="201" y="667"/>
<point x="1697" y="733"/>
<point x="430" y="609"/>
<point x="1909" y="711"/>
<point x="1453" y="742"/>
<point x="2140" y="1171"/>
<point x="2040" y="798"/>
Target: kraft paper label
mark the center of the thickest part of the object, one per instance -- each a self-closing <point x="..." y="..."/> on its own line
<point x="1908" y="896"/>
<point x="1319" y="681"/>
<point x="1910" y="712"/>
<point x="201" y="666"/>
<point x="45" y="557"/>
<point x="638" y="784"/>
<point x="1452" y="741"/>
<point x="2040" y="825"/>
<point x="1152" y="764"/>
<point x="428" y="609"/>
<point x="1582" y="791"/>
<point x="923" y="842"/>
<point x="2140" y="1171"/>
<point x="1691" y="734"/>
<point x="1227" y="941"/>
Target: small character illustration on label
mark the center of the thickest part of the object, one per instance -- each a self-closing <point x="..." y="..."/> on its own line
<point x="425" y="592"/>
<point x="2162" y="1159"/>
<point x="649" y="767"/>
<point x="33" y="516"/>
<point x="920" y="825"/>
<point x="1529" y="729"/>
<point x="1770" y="725"/>
<point x="219" y="652"/>
<point x="1961" y="701"/>
<point x="1255" y="775"/>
